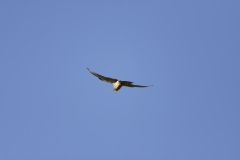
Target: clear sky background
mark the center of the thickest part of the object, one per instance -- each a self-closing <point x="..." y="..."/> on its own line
<point x="52" y="108"/>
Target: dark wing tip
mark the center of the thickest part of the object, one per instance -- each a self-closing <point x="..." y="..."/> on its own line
<point x="89" y="70"/>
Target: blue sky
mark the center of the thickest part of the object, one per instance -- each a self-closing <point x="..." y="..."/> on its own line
<point x="51" y="107"/>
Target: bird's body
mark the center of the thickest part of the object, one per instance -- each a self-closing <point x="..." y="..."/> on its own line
<point x="117" y="84"/>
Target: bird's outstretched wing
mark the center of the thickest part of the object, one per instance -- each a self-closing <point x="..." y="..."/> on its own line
<point x="106" y="79"/>
<point x="130" y="84"/>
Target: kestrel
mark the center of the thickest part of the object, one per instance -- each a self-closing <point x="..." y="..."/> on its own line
<point x="117" y="84"/>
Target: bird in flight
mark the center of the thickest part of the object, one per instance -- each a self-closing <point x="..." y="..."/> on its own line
<point x="117" y="84"/>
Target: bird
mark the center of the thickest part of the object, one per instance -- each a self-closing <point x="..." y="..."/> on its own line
<point x="117" y="84"/>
